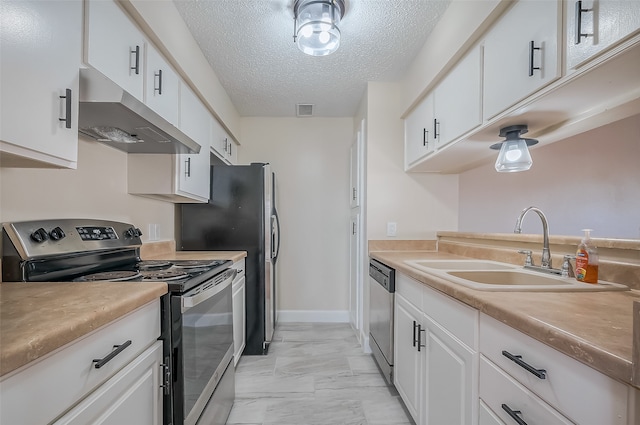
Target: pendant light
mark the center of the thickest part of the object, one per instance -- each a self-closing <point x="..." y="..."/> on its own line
<point x="316" y="25"/>
<point x="514" y="152"/>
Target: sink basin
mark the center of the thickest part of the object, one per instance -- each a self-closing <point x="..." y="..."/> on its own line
<point x="460" y="264"/>
<point x="484" y="275"/>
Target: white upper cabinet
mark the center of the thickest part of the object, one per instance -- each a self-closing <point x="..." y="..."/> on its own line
<point x="592" y="26"/>
<point x="40" y="59"/>
<point x="418" y="132"/>
<point x="457" y="100"/>
<point x="222" y="145"/>
<point x="115" y="46"/>
<point x="521" y="54"/>
<point x="195" y="122"/>
<point x="161" y="86"/>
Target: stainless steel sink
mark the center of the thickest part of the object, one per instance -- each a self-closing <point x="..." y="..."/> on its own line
<point x="494" y="276"/>
<point x="460" y="264"/>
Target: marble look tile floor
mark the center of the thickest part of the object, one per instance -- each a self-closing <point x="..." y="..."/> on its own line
<point x="314" y="374"/>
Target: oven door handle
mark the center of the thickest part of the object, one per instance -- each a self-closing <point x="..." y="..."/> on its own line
<point x="190" y="301"/>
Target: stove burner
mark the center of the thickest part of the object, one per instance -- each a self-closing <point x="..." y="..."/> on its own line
<point x="195" y="264"/>
<point x="113" y="276"/>
<point x="164" y="275"/>
<point x="153" y="264"/>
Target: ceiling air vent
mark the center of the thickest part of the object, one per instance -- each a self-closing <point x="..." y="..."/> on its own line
<point x="304" y="109"/>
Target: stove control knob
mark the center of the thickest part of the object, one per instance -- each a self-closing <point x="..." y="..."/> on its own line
<point x="57" y="234"/>
<point x="39" y="235"/>
<point x="132" y="232"/>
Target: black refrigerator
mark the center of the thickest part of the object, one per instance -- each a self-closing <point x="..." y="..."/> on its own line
<point x="240" y="216"/>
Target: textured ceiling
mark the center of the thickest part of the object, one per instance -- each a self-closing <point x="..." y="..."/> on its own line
<point x="249" y="44"/>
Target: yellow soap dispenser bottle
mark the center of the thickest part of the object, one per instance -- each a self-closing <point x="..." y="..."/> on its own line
<point x="587" y="259"/>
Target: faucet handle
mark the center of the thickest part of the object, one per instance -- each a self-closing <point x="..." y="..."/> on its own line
<point x="567" y="268"/>
<point x="528" y="261"/>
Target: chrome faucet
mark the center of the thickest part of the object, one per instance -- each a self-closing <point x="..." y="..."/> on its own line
<point x="546" y="254"/>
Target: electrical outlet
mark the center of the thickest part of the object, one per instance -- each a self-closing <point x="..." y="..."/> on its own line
<point x="392" y="228"/>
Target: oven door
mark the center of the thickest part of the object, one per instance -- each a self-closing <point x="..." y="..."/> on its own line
<point x="202" y="341"/>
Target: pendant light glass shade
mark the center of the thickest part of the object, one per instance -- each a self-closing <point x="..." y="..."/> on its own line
<point x="316" y="25"/>
<point x="514" y="153"/>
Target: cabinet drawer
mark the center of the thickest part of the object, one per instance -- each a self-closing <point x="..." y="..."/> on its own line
<point x="63" y="378"/>
<point x="410" y="289"/>
<point x="457" y="318"/>
<point x="499" y="392"/>
<point x="578" y="391"/>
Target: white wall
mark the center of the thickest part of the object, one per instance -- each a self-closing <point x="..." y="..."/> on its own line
<point x="310" y="157"/>
<point x="96" y="189"/>
<point x="420" y="204"/>
<point x="591" y="180"/>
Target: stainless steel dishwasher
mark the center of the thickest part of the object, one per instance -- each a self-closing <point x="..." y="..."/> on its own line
<point x="382" y="286"/>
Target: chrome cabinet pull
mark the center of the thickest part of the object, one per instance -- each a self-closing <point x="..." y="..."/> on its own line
<point x="136" y="67"/>
<point x="514" y="414"/>
<point x="532" y="49"/>
<point x="579" y="12"/>
<point x="188" y="168"/>
<point x="117" y="350"/>
<point x="540" y="373"/>
<point x="159" y="88"/>
<point x="67" y="108"/>
<point x="420" y="345"/>
<point x="425" y="137"/>
<point x="165" y="370"/>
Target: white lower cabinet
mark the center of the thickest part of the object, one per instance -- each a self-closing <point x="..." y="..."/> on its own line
<point x="239" y="311"/>
<point x="67" y="385"/>
<point x="130" y="397"/>
<point x="435" y="371"/>
<point x="515" y="366"/>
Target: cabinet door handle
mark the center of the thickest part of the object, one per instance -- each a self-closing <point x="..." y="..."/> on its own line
<point x="67" y="108"/>
<point x="420" y="337"/>
<point x="136" y="67"/>
<point x="532" y="49"/>
<point x="230" y="145"/>
<point x="165" y="370"/>
<point x="353" y="194"/>
<point x="425" y="137"/>
<point x="117" y="350"/>
<point x="579" y="12"/>
<point x="514" y="414"/>
<point x="415" y="325"/>
<point x="188" y="168"/>
<point x="436" y="128"/>
<point x="353" y="228"/>
<point x="540" y="373"/>
<point x="159" y="88"/>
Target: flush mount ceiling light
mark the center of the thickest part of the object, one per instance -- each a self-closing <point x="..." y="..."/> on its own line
<point x="315" y="27"/>
<point x="514" y="152"/>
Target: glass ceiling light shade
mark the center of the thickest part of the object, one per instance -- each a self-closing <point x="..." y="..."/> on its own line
<point x="316" y="25"/>
<point x="514" y="152"/>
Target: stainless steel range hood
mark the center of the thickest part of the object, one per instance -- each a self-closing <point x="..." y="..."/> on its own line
<point x="112" y="116"/>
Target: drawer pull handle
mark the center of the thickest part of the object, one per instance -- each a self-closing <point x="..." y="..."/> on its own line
<point x="117" y="350"/>
<point x="514" y="414"/>
<point x="540" y="373"/>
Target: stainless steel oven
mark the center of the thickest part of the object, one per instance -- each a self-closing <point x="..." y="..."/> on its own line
<point x="196" y="315"/>
<point x="202" y="349"/>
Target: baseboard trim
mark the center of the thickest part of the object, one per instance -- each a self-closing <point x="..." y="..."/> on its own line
<point x="310" y="316"/>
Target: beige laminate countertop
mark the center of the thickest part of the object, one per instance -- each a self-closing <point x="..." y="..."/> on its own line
<point x="595" y="328"/>
<point x="38" y="318"/>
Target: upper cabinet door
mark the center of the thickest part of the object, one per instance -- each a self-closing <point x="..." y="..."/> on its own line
<point x="418" y="132"/>
<point x="115" y="46"/>
<point x="40" y="56"/>
<point x="521" y="54"/>
<point x="161" y="86"/>
<point x="594" y="25"/>
<point x="457" y="100"/>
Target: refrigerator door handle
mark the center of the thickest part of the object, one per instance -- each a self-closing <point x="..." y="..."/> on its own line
<point x="275" y="236"/>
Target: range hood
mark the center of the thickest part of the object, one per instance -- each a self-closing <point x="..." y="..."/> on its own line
<point x="110" y="115"/>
